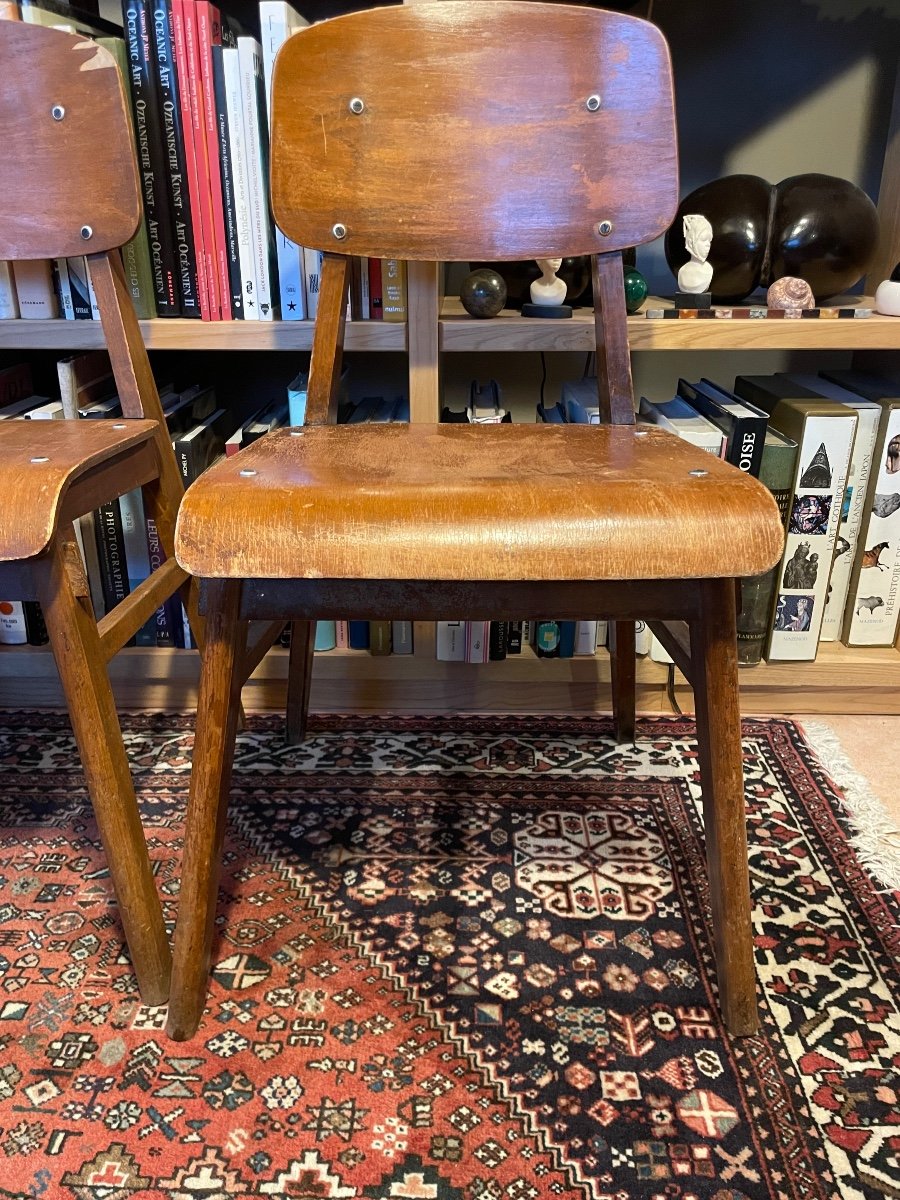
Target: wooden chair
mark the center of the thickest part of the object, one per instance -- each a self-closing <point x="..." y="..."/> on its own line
<point x="457" y="131"/>
<point x="70" y="187"/>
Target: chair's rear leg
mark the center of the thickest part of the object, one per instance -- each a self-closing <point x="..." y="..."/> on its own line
<point x="217" y="710"/>
<point x="300" y="668"/>
<point x="76" y="647"/>
<point x="622" y="669"/>
<point x="715" y="678"/>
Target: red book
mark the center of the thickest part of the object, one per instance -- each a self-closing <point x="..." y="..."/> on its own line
<point x="198" y="133"/>
<point x="209" y="34"/>
<point x="190" y="154"/>
<point x="376" y="304"/>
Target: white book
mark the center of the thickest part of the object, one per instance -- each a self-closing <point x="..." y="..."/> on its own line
<point x="677" y="416"/>
<point x="450" y="641"/>
<point x="241" y="180"/>
<point x="9" y="301"/>
<point x="811" y="535"/>
<point x="341" y="635"/>
<point x="250" y="61"/>
<point x="602" y="633"/>
<point x="92" y="295"/>
<point x="478" y="641"/>
<point x="312" y="278"/>
<point x="12" y="623"/>
<point x="854" y="505"/>
<point x="585" y="638"/>
<point x="65" y="289"/>
<point x="278" y="21"/>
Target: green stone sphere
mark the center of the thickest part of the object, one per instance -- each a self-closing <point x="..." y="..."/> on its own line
<point x="635" y="290"/>
<point x="483" y="293"/>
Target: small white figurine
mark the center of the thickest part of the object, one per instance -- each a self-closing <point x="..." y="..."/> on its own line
<point x="887" y="295"/>
<point x="696" y="276"/>
<point x="549" y="289"/>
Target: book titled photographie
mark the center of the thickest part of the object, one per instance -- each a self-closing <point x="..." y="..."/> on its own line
<point x="824" y="433"/>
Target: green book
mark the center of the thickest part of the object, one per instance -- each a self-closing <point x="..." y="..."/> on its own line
<point x="776" y="471"/>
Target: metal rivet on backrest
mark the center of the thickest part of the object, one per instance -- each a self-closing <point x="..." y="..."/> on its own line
<point x="247" y="471"/>
<point x="592" y="104"/>
<point x="339" y="231"/>
<point x="40" y="459"/>
<point x="86" y="232"/>
<point x="57" y="112"/>
<point x="698" y="474"/>
<point x="605" y="228"/>
<point x="357" y="105"/>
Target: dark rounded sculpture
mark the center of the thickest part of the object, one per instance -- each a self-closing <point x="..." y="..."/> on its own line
<point x="483" y="292"/>
<point x="635" y="290"/>
<point x="816" y="227"/>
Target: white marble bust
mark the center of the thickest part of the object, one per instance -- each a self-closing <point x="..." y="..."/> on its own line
<point x="549" y="289"/>
<point x="696" y="275"/>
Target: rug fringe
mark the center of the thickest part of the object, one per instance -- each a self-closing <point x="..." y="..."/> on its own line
<point x="877" y="837"/>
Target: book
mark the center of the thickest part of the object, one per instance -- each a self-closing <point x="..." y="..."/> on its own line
<point x="450" y="641"/>
<point x="379" y="637"/>
<point x="393" y="289"/>
<point x="853" y="505"/>
<point x="358" y="635"/>
<point x="63" y="288"/>
<point x="679" y="417"/>
<point x="743" y="424"/>
<point x="209" y="36"/>
<point x="198" y="447"/>
<point x="312" y="280"/>
<point x="477" y="641"/>
<point x="376" y="306"/>
<point x="873" y="607"/>
<point x="79" y="288"/>
<point x="187" y="279"/>
<point x="776" y="471"/>
<point x="257" y="146"/>
<point x="498" y="640"/>
<point x="196" y="176"/>
<point x="9" y="301"/>
<point x="143" y="90"/>
<point x="279" y="21"/>
<point x="13" y="630"/>
<point x="824" y="433"/>
<point x="230" y="248"/>
<point x="585" y="639"/>
<point x="34" y="290"/>
<point x="326" y="635"/>
<point x="567" y="634"/>
<point x="240" y="169"/>
<point x="546" y="642"/>
<point x="401" y="637"/>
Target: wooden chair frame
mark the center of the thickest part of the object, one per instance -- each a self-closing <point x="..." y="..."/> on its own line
<point x="80" y="166"/>
<point x="693" y="617"/>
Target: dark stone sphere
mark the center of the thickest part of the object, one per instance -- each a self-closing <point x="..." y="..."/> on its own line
<point x="483" y="293"/>
<point x="814" y="227"/>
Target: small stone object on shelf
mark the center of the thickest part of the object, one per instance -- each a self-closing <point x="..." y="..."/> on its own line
<point x="757" y="313"/>
<point x="790" y="293"/>
<point x="635" y="290"/>
<point x="483" y="293"/>
<point x="887" y="295"/>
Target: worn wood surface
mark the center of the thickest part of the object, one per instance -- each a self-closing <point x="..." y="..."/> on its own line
<point x="60" y="176"/>
<point x="476" y="502"/>
<point x="405" y="176"/>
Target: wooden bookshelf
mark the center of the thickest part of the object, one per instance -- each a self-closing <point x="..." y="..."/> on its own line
<point x="459" y="332"/>
<point x="841" y="680"/>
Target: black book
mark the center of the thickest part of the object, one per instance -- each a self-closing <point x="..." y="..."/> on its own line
<point x="743" y="424"/>
<point x="148" y="131"/>
<point x="176" y="180"/>
<point x="498" y="639"/>
<point x="35" y="628"/>
<point x="227" y="172"/>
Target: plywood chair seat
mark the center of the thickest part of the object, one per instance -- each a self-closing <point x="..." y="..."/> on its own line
<point x="470" y="502"/>
<point x="42" y="462"/>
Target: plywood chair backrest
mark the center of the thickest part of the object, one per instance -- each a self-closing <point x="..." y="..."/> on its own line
<point x="461" y="130"/>
<point x="70" y="181"/>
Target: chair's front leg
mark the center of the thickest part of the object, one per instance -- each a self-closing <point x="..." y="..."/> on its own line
<point x="80" y="661"/>
<point x="622" y="670"/>
<point x="217" y="711"/>
<point x="715" y="679"/>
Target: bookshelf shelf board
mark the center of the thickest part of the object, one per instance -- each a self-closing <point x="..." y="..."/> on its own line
<point x="510" y="331"/>
<point x="199" y="335"/>
<point x="858" y="680"/>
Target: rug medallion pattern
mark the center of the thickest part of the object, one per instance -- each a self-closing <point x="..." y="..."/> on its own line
<point x="462" y="959"/>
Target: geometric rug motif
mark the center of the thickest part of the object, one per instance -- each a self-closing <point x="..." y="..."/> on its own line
<point x="463" y="958"/>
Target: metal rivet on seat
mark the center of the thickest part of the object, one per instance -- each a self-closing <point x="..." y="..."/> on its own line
<point x="357" y="105"/>
<point x="57" y="112"/>
<point x="248" y="471"/>
<point x="640" y="433"/>
<point x="698" y="474"/>
<point x="605" y="228"/>
<point x="86" y="232"/>
<point x="40" y="459"/>
<point x="592" y="103"/>
<point x="296" y="433"/>
<point x="339" y="231"/>
<point x="119" y="425"/>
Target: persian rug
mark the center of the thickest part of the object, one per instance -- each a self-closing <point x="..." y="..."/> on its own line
<point x="456" y="959"/>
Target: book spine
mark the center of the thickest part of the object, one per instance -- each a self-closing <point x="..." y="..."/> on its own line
<point x="35" y="626"/>
<point x="566" y="639"/>
<point x="745" y="444"/>
<point x="164" y="618"/>
<point x="478" y="635"/>
<point x="365" y="299"/>
<point x="874" y="595"/>
<point x="358" y="635"/>
<point x="401" y="637"/>
<point x="176" y="170"/>
<point x="802" y="580"/>
<point x="326" y="635"/>
<point x="498" y="640"/>
<point x="546" y="643"/>
<point x="256" y="138"/>
<point x="226" y="176"/>
<point x="241" y="175"/>
<point x="450" y="641"/>
<point x="376" y="307"/>
<point x="341" y="635"/>
<point x="148" y="131"/>
<point x="393" y="289"/>
<point x="379" y="637"/>
<point x="585" y="638"/>
<point x="92" y="295"/>
<point x="209" y="36"/>
<point x="76" y="269"/>
<point x="13" y="629"/>
<point x="110" y="548"/>
<point x="312" y="277"/>
<point x="189" y="115"/>
<point x="34" y="289"/>
<point x="9" y="301"/>
<point x="514" y="637"/>
<point x="64" y="289"/>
